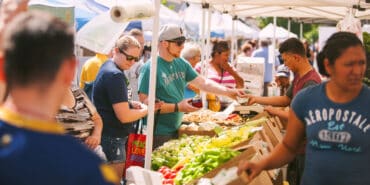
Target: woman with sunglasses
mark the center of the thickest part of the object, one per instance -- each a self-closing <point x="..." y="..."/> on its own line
<point x="111" y="100"/>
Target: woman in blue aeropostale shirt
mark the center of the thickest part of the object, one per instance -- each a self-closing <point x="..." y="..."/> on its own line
<point x="335" y="118"/>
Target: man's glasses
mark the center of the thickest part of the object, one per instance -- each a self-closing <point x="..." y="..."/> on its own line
<point x="128" y="57"/>
<point x="179" y="41"/>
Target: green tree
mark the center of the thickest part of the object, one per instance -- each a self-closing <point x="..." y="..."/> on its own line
<point x="366" y="40"/>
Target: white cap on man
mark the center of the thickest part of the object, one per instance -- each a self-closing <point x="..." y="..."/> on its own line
<point x="283" y="71"/>
<point x="171" y="32"/>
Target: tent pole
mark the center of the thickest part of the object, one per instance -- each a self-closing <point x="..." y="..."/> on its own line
<point x="233" y="36"/>
<point x="152" y="84"/>
<point x="207" y="50"/>
<point x="289" y="24"/>
<point x="205" y="41"/>
<point x="301" y="30"/>
<point x="208" y="39"/>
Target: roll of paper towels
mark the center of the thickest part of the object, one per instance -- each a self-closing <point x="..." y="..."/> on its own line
<point x="132" y="11"/>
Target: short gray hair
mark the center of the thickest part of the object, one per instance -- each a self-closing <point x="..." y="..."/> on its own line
<point x="190" y="50"/>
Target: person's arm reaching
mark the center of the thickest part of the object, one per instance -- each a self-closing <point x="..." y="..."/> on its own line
<point x="264" y="100"/>
<point x="126" y="115"/>
<point x="278" y="111"/>
<point x="215" y="88"/>
<point x="182" y="106"/>
<point x="282" y="154"/>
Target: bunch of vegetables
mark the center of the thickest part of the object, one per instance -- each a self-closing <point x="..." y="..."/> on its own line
<point x="168" y="175"/>
<point x="231" y="137"/>
<point x="204" y="162"/>
<point x="178" y="150"/>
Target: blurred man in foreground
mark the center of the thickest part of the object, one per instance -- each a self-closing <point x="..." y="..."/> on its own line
<point x="33" y="147"/>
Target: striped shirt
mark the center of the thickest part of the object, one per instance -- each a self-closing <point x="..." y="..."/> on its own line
<point x="225" y="78"/>
<point x="77" y="120"/>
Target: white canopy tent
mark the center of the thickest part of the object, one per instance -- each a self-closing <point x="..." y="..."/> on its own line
<point x="329" y="9"/>
<point x="280" y="33"/>
<point x="219" y="22"/>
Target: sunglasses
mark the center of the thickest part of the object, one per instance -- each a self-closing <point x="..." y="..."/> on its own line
<point x="128" y="57"/>
<point x="179" y="42"/>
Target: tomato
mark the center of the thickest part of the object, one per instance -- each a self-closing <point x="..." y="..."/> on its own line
<point x="163" y="169"/>
<point x="172" y="176"/>
<point x="167" y="175"/>
<point x="168" y="181"/>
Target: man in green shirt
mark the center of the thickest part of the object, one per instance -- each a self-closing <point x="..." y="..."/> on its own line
<point x="173" y="74"/>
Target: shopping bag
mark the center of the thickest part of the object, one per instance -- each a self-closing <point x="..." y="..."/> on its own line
<point x="135" y="150"/>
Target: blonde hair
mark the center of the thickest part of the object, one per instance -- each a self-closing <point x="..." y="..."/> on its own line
<point x="126" y="42"/>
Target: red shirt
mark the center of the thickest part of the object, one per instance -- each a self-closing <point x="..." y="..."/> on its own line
<point x="300" y="82"/>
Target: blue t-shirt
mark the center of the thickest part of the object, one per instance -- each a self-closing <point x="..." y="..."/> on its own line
<point x="264" y="53"/>
<point x="188" y="93"/>
<point x="338" y="137"/>
<point x="172" y="78"/>
<point x="110" y="87"/>
<point x="38" y="152"/>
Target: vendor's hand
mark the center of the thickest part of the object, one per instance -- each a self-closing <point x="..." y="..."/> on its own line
<point x="92" y="141"/>
<point x="137" y="105"/>
<point x="239" y="82"/>
<point x="234" y="93"/>
<point x="270" y="109"/>
<point x="251" y="169"/>
<point x="158" y="104"/>
<point x="185" y="106"/>
<point x="251" y="99"/>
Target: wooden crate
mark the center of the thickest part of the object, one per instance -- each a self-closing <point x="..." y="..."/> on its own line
<point x="248" y="154"/>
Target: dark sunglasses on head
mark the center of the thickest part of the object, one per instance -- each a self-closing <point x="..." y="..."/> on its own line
<point x="128" y="57"/>
<point x="179" y="41"/>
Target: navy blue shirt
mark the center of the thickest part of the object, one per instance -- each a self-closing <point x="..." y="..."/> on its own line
<point x="38" y="152"/>
<point x="110" y="87"/>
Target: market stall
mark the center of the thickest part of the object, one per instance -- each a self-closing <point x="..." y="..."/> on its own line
<point x="209" y="148"/>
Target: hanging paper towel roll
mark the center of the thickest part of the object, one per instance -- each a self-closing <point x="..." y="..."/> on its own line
<point x="132" y="11"/>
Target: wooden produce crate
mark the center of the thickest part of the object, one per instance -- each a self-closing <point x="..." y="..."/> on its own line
<point x="210" y="133"/>
<point x="273" y="131"/>
<point x="242" y="109"/>
<point x="248" y="154"/>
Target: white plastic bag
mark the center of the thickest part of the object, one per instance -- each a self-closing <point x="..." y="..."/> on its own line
<point x="350" y="24"/>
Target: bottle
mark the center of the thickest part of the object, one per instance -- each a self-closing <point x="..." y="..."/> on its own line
<point x="214" y="103"/>
<point x="196" y="102"/>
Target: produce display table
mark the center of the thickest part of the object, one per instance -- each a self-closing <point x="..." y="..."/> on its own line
<point x="253" y="137"/>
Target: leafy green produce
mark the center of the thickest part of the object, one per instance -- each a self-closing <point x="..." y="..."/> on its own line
<point x="204" y="162"/>
<point x="176" y="150"/>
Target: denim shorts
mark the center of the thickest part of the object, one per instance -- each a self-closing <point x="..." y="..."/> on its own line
<point x="114" y="148"/>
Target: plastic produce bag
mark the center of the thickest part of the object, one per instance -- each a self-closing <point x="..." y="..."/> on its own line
<point x="350" y="24"/>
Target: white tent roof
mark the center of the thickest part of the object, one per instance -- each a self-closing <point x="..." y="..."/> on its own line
<point x="330" y="9"/>
<point x="219" y="22"/>
<point x="281" y="33"/>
